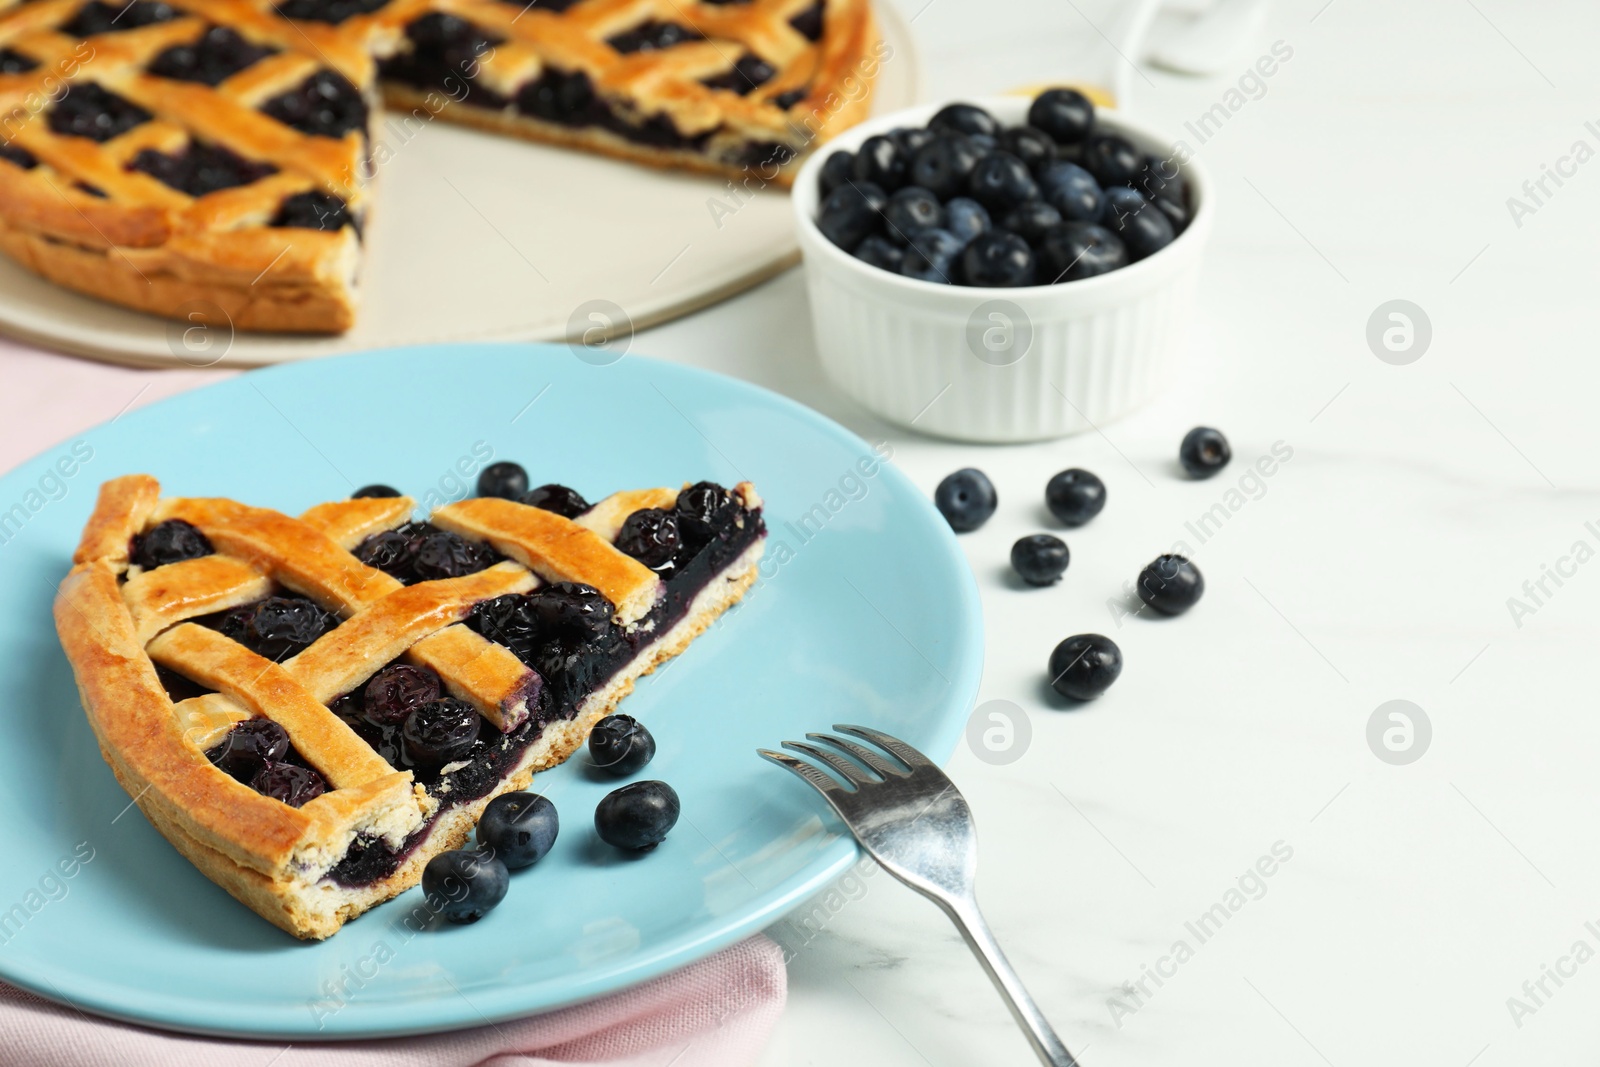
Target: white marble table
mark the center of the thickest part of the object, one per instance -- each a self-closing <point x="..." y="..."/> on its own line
<point x="1376" y="564"/>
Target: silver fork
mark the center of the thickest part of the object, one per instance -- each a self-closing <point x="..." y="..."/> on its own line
<point x="918" y="827"/>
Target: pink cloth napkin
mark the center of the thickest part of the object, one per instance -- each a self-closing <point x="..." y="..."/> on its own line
<point x="715" y="1013"/>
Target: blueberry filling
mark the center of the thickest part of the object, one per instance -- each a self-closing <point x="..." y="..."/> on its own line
<point x="177" y="686"/>
<point x="555" y="6"/>
<point x="167" y="542"/>
<point x="218" y="55"/>
<point x="564" y="632"/>
<point x="87" y="110"/>
<point x="332" y="12"/>
<point x="200" y="168"/>
<point x="809" y="22"/>
<point x="96" y="18"/>
<point x="557" y="96"/>
<point x="90" y="190"/>
<point x="277" y="628"/>
<point x="653" y="36"/>
<point x="421" y="552"/>
<point x="19" y="156"/>
<point x="14" y="62"/>
<point x="445" y="53"/>
<point x="324" y="105"/>
<point x="747" y="74"/>
<point x="789" y="99"/>
<point x="314" y="210"/>
<point x="257" y="752"/>
<point x="566" y="502"/>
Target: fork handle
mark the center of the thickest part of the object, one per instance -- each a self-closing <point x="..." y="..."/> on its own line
<point x="1046" y="1045"/>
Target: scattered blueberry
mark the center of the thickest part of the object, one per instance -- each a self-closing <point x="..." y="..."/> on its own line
<point x="1204" y="452"/>
<point x="439" y="732"/>
<point x="882" y="253"/>
<point x="910" y="210"/>
<point x="1065" y="114"/>
<point x="464" y="885"/>
<point x="565" y="502"/>
<point x="1072" y="191"/>
<point x="1075" y="496"/>
<point x="851" y="212"/>
<point x="394" y="692"/>
<point x="289" y="782"/>
<point x="943" y="165"/>
<point x="518" y="828"/>
<point x="621" y="746"/>
<point x="965" y="118"/>
<point x="966" y="499"/>
<point x="374" y="491"/>
<point x="880" y="161"/>
<point x="1032" y="221"/>
<point x="998" y="259"/>
<point x="1111" y="159"/>
<point x="1034" y="147"/>
<point x="1001" y="182"/>
<point x="1084" y="666"/>
<point x="172" y="541"/>
<point x="931" y="256"/>
<point x="1077" y="250"/>
<point x="966" y="218"/>
<point x="1171" y="584"/>
<point x="1040" y="559"/>
<point x="505" y="480"/>
<point x="837" y="169"/>
<point x="638" y="816"/>
<point x="1140" y="224"/>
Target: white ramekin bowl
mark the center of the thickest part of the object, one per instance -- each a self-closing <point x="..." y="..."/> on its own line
<point x="1000" y="365"/>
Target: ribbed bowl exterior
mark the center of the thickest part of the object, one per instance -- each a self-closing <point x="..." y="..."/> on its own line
<point x="1001" y="365"/>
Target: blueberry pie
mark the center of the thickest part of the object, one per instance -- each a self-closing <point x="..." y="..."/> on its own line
<point x="311" y="708"/>
<point x="208" y="160"/>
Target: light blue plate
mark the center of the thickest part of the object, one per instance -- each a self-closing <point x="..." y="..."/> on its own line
<point x="866" y="612"/>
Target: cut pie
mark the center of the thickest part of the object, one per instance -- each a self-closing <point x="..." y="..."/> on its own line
<point x="207" y="160"/>
<point x="311" y="708"/>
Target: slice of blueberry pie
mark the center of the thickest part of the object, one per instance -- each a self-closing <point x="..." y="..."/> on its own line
<point x="311" y="708"/>
<point x="207" y="160"/>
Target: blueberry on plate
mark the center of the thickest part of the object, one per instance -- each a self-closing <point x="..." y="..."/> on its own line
<point x="1065" y="114"/>
<point x="439" y="732"/>
<point x="837" y="169"/>
<point x="997" y="260"/>
<point x="620" y="745"/>
<point x="931" y="257"/>
<point x="943" y="165"/>
<point x="882" y="253"/>
<point x="518" y="828"/>
<point x="1074" y="496"/>
<point x="1171" y="584"/>
<point x="1140" y="224"/>
<point x="464" y="885"/>
<point x="167" y="542"/>
<point x="505" y="479"/>
<point x="1001" y="182"/>
<point x="1040" y="559"/>
<point x="638" y="816"/>
<point x="1084" y="666"/>
<point x="965" y="217"/>
<point x="1033" y="147"/>
<point x="1204" y="451"/>
<point x="851" y="212"/>
<point x="966" y="499"/>
<point x="1076" y="250"/>
<point x="376" y="490"/>
<point x="911" y="209"/>
<point x="1072" y="191"/>
<point x="880" y="161"/>
<point x="568" y="503"/>
<point x="1111" y="159"/>
<point x="1032" y="221"/>
<point x="964" y="118"/>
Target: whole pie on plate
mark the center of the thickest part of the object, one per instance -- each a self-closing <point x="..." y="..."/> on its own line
<point x="311" y="708"/>
<point x="208" y="160"/>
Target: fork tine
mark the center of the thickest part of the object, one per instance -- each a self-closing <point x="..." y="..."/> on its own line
<point x="862" y="753"/>
<point x="813" y="776"/>
<point x="907" y="755"/>
<point x="841" y="766"/>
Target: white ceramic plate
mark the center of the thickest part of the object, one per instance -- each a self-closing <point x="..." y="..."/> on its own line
<point x="476" y="237"/>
